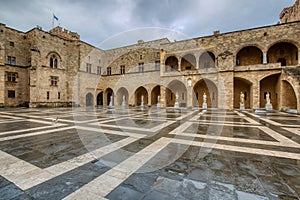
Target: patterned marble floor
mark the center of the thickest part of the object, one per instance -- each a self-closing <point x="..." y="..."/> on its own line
<point x="148" y="154"/>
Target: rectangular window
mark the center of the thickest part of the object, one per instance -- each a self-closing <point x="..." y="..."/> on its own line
<point x="141" y="57"/>
<point x="182" y="96"/>
<point x="157" y="65"/>
<point x="54" y="80"/>
<point x="141" y="67"/>
<point x="58" y="95"/>
<point x="99" y="70"/>
<point x="188" y="68"/>
<point x="12" y="76"/>
<point x="108" y="71"/>
<point x="122" y="69"/>
<point x="11" y="43"/>
<point x="11" y="60"/>
<point x="11" y="94"/>
<point x="48" y="95"/>
<point x="88" y="68"/>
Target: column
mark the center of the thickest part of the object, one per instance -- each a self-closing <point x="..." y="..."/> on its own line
<point x="197" y="62"/>
<point x="163" y="97"/>
<point x="265" y="61"/>
<point x="255" y="91"/>
<point x="179" y="64"/>
<point x="189" y="100"/>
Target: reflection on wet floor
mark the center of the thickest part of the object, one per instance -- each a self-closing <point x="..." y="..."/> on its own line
<point x="148" y="154"/>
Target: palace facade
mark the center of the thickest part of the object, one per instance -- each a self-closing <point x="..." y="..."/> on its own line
<point x="55" y="68"/>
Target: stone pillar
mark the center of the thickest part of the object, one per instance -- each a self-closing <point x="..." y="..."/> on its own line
<point x="179" y="64"/>
<point x="149" y="99"/>
<point x="197" y="62"/>
<point x="163" y="97"/>
<point x="255" y="95"/>
<point x="189" y="96"/>
<point x="298" y="59"/>
<point x="2" y="87"/>
<point x="265" y="60"/>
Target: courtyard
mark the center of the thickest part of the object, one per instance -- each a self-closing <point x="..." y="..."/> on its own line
<point x="134" y="153"/>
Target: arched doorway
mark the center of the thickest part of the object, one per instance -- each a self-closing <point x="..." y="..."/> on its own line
<point x="100" y="99"/>
<point x="119" y="98"/>
<point x="141" y="91"/>
<point x="250" y="55"/>
<point x="89" y="100"/>
<point x="109" y="92"/>
<point x="171" y="64"/>
<point x="207" y="60"/>
<point x="188" y="62"/>
<point x="270" y="85"/>
<point x="210" y="89"/>
<point x="171" y="90"/>
<point x="154" y="94"/>
<point x="288" y="91"/>
<point x="244" y="86"/>
<point x="284" y="53"/>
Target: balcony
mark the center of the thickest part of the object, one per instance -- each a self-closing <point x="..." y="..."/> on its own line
<point x="269" y="66"/>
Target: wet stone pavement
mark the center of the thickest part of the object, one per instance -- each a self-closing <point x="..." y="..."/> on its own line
<point x="148" y="154"/>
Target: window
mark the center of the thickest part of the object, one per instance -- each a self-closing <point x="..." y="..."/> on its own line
<point x="11" y="43"/>
<point x="188" y="68"/>
<point x="53" y="61"/>
<point x="238" y="61"/>
<point x="88" y="68"/>
<point x="11" y="60"/>
<point x="157" y="65"/>
<point x="12" y="76"/>
<point x="48" y="95"/>
<point x="206" y="65"/>
<point x="11" y="94"/>
<point x="54" y="80"/>
<point x="99" y="70"/>
<point x="108" y="71"/>
<point x="157" y="54"/>
<point x="173" y="68"/>
<point x="58" y="95"/>
<point x="141" y="67"/>
<point x="141" y="57"/>
<point x="182" y="96"/>
<point x="122" y="69"/>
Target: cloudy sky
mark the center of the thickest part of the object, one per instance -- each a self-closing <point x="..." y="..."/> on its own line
<point x="112" y="23"/>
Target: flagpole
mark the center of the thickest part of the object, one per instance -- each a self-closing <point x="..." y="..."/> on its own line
<point x="52" y="20"/>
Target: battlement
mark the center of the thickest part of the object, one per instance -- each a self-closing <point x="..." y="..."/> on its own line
<point x="64" y="33"/>
<point x="291" y="13"/>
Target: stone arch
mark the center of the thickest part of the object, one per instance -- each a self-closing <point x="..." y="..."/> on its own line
<point x="207" y="60"/>
<point x="244" y="86"/>
<point x="108" y="93"/>
<point x="139" y="92"/>
<point x="100" y="99"/>
<point x="154" y="95"/>
<point x="174" y="87"/>
<point x="188" y="62"/>
<point x="283" y="52"/>
<point x="171" y="63"/>
<point x="249" y="55"/>
<point x="119" y="96"/>
<point x="89" y="100"/>
<point x="288" y="91"/>
<point x="270" y="84"/>
<point x="210" y="89"/>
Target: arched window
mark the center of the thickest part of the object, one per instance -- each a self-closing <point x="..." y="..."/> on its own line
<point x="53" y="61"/>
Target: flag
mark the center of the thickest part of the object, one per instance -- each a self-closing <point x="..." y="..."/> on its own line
<point x="56" y="18"/>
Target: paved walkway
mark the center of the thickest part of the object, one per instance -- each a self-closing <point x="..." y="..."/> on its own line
<point x="148" y="154"/>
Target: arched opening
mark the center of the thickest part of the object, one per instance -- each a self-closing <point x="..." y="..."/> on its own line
<point x="119" y="98"/>
<point x="109" y="92"/>
<point x="270" y="85"/>
<point x="207" y="60"/>
<point x="141" y="91"/>
<point x="100" y="99"/>
<point x="154" y="95"/>
<point x="188" y="62"/>
<point x="171" y="64"/>
<point x="210" y="89"/>
<point x="89" y="100"/>
<point x="244" y="86"/>
<point x="288" y="91"/>
<point x="250" y="55"/>
<point x="53" y="61"/>
<point x="173" y="88"/>
<point x="284" y="53"/>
